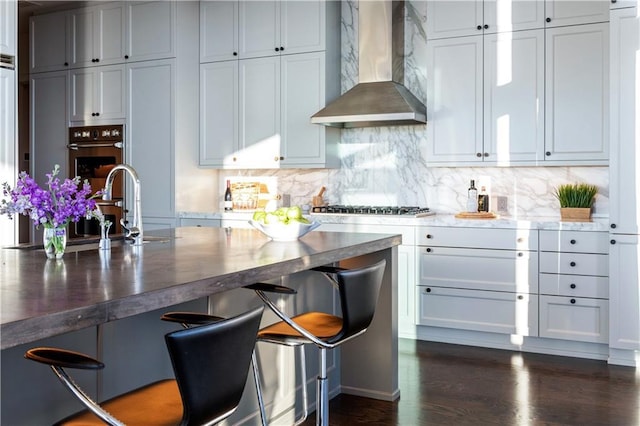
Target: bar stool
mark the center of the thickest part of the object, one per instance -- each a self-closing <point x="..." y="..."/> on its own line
<point x="203" y="392"/>
<point x="190" y="319"/>
<point x="358" y="290"/>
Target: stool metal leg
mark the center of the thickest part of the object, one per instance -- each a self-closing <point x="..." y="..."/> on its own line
<point x="322" y="392"/>
<point x="303" y="373"/>
<point x="256" y="379"/>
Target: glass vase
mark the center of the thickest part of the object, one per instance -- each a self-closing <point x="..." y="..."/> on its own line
<point x="55" y="242"/>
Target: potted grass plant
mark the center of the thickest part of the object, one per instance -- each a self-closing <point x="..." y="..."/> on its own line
<point x="576" y="201"/>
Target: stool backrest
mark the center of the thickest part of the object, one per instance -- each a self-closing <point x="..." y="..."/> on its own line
<point x="359" y="290"/>
<point x="211" y="363"/>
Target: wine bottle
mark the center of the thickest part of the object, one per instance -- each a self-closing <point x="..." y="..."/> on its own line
<point x="483" y="200"/>
<point x="472" y="198"/>
<point x="228" y="200"/>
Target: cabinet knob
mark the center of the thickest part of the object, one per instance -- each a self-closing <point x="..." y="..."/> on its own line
<point x="281" y="158"/>
<point x="235" y="159"/>
<point x="428" y="290"/>
<point x="520" y="297"/>
<point x="429" y="236"/>
<point x="235" y="53"/>
<point x="478" y="154"/>
<point x="486" y="26"/>
<point x="486" y="154"/>
<point x="520" y="239"/>
<point x="548" y="153"/>
<point x="126" y="56"/>
<point x="614" y="1"/>
<point x="572" y="241"/>
<point x="276" y="158"/>
<point x="277" y="49"/>
<point x="572" y="263"/>
<point x="573" y="301"/>
<point x="66" y="64"/>
<point x="93" y="114"/>
<point x="281" y="49"/>
<point x="612" y="242"/>
<point x="428" y="250"/>
<point x="520" y="254"/>
<point x="548" y="19"/>
<point x="613" y="226"/>
<point x="572" y="285"/>
<point x="479" y="27"/>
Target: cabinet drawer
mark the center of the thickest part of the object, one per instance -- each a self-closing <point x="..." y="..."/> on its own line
<point x="574" y="241"/>
<point x="476" y="269"/>
<point x="487" y="238"/>
<point x="214" y="223"/>
<point x="581" y="319"/>
<point x="574" y="285"/>
<point x="574" y="263"/>
<point x="489" y="311"/>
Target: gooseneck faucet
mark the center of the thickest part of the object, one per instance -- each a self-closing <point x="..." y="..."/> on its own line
<point x="134" y="231"/>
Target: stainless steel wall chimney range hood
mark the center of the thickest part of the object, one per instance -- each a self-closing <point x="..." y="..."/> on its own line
<point x="379" y="98"/>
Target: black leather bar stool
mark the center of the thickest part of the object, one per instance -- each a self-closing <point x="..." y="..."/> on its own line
<point x="203" y="392"/>
<point x="358" y="291"/>
<point x="191" y="319"/>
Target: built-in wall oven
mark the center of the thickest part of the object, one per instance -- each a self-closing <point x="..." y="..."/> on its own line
<point x="93" y="152"/>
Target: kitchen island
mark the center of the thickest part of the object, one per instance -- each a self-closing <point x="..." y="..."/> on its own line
<point x="41" y="299"/>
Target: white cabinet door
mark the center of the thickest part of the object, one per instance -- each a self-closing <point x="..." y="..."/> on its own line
<point x="454" y="104"/>
<point x="259" y="120"/>
<point x="259" y="29"/>
<point x="303" y="26"/>
<point x="48" y="42"/>
<point x="303" y="91"/>
<point x="624" y="293"/>
<point x="454" y="18"/>
<point x="151" y="30"/>
<point x="514" y="96"/>
<point x="219" y="113"/>
<point x="506" y="16"/>
<point x="470" y="17"/>
<point x="97" y="35"/>
<point x="97" y="94"/>
<point x="150" y="135"/>
<point x="8" y="27"/>
<point x="624" y="169"/>
<point x="48" y="124"/>
<point x="577" y="93"/>
<point x="561" y="12"/>
<point x="218" y="30"/>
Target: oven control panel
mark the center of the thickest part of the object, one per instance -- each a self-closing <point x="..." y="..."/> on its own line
<point x="96" y="133"/>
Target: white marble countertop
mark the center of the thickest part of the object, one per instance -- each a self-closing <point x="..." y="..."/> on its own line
<point x="506" y="222"/>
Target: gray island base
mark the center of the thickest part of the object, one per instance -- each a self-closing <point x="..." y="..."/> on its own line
<point x="108" y="304"/>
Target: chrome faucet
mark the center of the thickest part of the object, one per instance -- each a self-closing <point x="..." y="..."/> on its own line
<point x="134" y="231"/>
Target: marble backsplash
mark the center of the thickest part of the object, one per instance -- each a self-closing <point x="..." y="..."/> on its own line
<point x="386" y="165"/>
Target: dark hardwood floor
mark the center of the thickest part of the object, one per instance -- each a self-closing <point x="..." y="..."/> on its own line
<point x="444" y="384"/>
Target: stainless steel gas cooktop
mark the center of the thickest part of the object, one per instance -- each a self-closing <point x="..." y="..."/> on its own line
<point x="406" y="211"/>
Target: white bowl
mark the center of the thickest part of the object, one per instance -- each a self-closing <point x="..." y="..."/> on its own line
<point x="281" y="232"/>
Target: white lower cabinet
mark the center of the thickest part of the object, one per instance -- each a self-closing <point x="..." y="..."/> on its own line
<point x="490" y="311"/>
<point x="574" y="285"/>
<point x="625" y="292"/>
<point x="465" y="286"/>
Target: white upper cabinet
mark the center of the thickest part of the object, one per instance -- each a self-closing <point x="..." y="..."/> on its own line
<point x="151" y="30"/>
<point x="469" y="17"/>
<point x="97" y="35"/>
<point x="624" y="168"/>
<point x="485" y="98"/>
<point x="454" y="104"/>
<point x="577" y="93"/>
<point x="8" y="29"/>
<point x="218" y="30"/>
<point x="268" y="28"/>
<point x="48" y="42"/>
<point x="97" y="94"/>
<point x="514" y="96"/>
<point x="562" y="12"/>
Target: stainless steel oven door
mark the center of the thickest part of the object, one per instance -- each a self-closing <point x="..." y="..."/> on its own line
<point x="92" y="157"/>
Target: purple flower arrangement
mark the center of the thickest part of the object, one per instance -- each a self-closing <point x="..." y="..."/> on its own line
<point x="53" y="207"/>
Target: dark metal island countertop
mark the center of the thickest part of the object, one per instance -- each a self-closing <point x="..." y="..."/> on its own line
<point x="41" y="298"/>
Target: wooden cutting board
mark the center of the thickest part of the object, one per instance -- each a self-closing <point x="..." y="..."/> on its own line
<point x="476" y="215"/>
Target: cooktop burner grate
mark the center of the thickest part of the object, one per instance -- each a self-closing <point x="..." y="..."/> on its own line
<point x="408" y="211"/>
